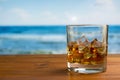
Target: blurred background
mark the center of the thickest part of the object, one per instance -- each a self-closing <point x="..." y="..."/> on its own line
<point x="39" y="26"/>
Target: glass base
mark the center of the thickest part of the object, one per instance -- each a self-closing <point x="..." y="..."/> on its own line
<point x="86" y="69"/>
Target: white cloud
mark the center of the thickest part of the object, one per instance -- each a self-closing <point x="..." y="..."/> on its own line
<point x="71" y="18"/>
<point x="43" y="17"/>
<point x="101" y="12"/>
<point x="100" y="18"/>
<point x="104" y="2"/>
<point x="105" y="5"/>
<point x="74" y="18"/>
<point x="104" y="12"/>
<point x="21" y="13"/>
<point x="98" y="12"/>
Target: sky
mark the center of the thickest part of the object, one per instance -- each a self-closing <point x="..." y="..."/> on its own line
<point x="59" y="12"/>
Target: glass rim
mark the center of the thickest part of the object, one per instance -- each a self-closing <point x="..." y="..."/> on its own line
<point x="87" y="25"/>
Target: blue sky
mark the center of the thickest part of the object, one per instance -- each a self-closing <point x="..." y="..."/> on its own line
<point x="55" y="12"/>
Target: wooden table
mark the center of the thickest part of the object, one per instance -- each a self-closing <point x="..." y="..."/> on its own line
<point x="50" y="67"/>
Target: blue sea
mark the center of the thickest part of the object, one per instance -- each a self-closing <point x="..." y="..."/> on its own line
<point x="49" y="39"/>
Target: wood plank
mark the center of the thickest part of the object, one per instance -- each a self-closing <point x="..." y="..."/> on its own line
<point x="50" y="67"/>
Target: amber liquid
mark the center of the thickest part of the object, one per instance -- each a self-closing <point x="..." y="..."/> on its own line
<point x="88" y="55"/>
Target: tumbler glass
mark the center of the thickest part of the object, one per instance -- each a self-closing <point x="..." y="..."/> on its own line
<point x="87" y="48"/>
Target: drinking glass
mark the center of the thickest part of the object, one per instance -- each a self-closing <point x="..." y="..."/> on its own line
<point x="87" y="48"/>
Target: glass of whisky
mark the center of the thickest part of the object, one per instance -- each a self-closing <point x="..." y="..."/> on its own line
<point x="87" y="48"/>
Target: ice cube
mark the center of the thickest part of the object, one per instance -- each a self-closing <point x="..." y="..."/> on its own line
<point x="86" y="43"/>
<point x="101" y="50"/>
<point x="86" y="49"/>
<point x="75" y="47"/>
<point x="82" y="39"/>
<point x="71" y="43"/>
<point x="96" y="43"/>
<point x="82" y="42"/>
<point x="94" y="55"/>
<point x="87" y="55"/>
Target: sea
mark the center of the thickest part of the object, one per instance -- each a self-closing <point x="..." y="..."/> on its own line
<point x="45" y="39"/>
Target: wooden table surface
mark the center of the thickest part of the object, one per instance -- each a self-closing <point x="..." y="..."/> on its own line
<point x="51" y="67"/>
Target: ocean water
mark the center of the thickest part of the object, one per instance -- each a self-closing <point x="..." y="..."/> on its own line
<point x="45" y="39"/>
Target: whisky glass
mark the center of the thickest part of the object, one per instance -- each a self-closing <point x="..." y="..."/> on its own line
<point x="87" y="48"/>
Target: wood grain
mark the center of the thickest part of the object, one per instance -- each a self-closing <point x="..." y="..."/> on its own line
<point x="50" y="67"/>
